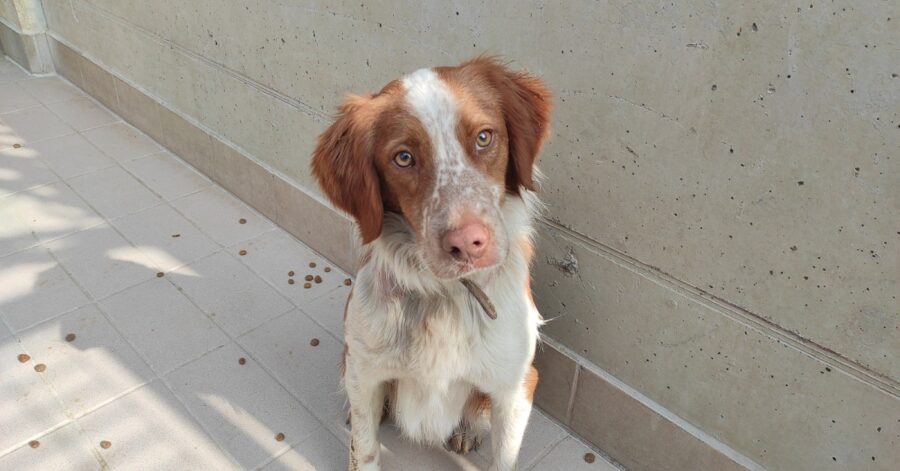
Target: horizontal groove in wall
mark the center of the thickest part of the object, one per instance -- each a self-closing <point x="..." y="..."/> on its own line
<point x="736" y="313"/>
<point x="722" y="306"/>
<point x="262" y="88"/>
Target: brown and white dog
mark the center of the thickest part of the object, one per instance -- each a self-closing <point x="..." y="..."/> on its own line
<point x="437" y="170"/>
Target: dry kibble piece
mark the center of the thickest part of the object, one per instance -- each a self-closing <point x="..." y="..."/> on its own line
<point x="40" y="367"/>
<point x="16" y="146"/>
<point x="307" y="285"/>
<point x="23" y="358"/>
<point x="242" y="221"/>
<point x="105" y="444"/>
<point x="291" y="273"/>
<point x="70" y="337"/>
<point x="312" y="264"/>
<point x="314" y="342"/>
<point x="318" y="279"/>
<point x="176" y="235"/>
<point x="589" y="457"/>
<point x="327" y="269"/>
<point x="242" y="253"/>
<point x="308" y="278"/>
<point x="242" y="361"/>
<point x="34" y="444"/>
<point x="348" y="282"/>
<point x="279" y="437"/>
<point x="290" y="281"/>
<point x="160" y="274"/>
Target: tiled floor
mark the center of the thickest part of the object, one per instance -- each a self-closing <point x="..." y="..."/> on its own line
<point x="122" y="278"/>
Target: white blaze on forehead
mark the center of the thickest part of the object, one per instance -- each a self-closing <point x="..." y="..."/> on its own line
<point x="435" y="106"/>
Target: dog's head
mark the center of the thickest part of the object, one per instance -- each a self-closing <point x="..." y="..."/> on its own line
<point x="443" y="148"/>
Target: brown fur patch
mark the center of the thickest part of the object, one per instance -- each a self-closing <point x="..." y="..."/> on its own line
<point x="531" y="382"/>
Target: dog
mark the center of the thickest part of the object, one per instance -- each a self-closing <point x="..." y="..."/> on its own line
<point x="438" y="172"/>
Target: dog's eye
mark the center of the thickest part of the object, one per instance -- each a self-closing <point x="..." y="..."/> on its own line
<point x="484" y="139"/>
<point x="404" y="159"/>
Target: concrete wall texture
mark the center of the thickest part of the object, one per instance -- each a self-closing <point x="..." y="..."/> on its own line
<point x="723" y="181"/>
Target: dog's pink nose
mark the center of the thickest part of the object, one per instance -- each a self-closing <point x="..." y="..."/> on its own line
<point x="469" y="242"/>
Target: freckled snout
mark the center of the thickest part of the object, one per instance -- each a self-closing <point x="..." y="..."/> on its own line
<point x="470" y="242"/>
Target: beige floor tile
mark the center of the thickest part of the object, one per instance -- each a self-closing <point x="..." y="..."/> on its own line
<point x="101" y="261"/>
<point x="65" y="448"/>
<point x="321" y="451"/>
<point x="275" y="253"/>
<point x="150" y="429"/>
<point x="570" y="455"/>
<point x="34" y="288"/>
<point x="82" y="113"/>
<point x="71" y="155"/>
<point x="121" y="141"/>
<point x="167" y="175"/>
<point x="328" y="311"/>
<point x="51" y="89"/>
<point x="230" y="293"/>
<point x="46" y="212"/>
<point x="113" y="192"/>
<point x="13" y="97"/>
<point x="21" y="169"/>
<point x="218" y="213"/>
<point x="309" y="372"/>
<point x="166" y="237"/>
<point x="27" y="405"/>
<point x="242" y="406"/>
<point x="162" y="324"/>
<point x="98" y="365"/>
<point x="31" y="125"/>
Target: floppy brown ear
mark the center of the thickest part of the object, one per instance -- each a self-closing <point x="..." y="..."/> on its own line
<point x="343" y="164"/>
<point x="526" y="108"/>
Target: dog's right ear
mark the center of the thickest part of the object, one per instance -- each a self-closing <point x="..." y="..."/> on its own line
<point x="343" y="164"/>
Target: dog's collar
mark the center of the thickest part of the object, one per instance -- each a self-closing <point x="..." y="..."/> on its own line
<point x="481" y="297"/>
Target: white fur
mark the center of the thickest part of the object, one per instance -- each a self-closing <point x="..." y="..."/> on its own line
<point x="429" y="334"/>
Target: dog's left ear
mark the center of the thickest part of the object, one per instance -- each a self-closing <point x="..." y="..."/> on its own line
<point x="526" y="109"/>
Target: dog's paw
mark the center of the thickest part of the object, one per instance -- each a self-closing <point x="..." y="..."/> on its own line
<point x="463" y="441"/>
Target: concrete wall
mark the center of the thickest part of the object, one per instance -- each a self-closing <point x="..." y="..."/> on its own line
<point x="22" y="36"/>
<point x="719" y="256"/>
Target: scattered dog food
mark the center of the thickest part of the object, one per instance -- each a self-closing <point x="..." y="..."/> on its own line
<point x="176" y="236"/>
<point x="34" y="444"/>
<point x="70" y="337"/>
<point x="312" y="264"/>
<point x="242" y="361"/>
<point x="23" y="358"/>
<point x="160" y="274"/>
<point x="589" y="457"/>
<point x="314" y="342"/>
<point x="40" y="367"/>
<point x="307" y="285"/>
<point x="16" y="146"/>
<point x="242" y="253"/>
<point x="308" y="277"/>
<point x="327" y="269"/>
<point x="348" y="282"/>
<point x="291" y="273"/>
<point x="290" y="281"/>
<point x="242" y="221"/>
<point x="318" y="279"/>
<point x="279" y="437"/>
<point x="105" y="444"/>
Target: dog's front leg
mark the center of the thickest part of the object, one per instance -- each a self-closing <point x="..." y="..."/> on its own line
<point x="366" y="395"/>
<point x="509" y="418"/>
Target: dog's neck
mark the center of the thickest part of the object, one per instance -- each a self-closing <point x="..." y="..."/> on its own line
<point x="398" y="262"/>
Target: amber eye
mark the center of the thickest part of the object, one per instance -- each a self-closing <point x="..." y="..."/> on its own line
<point x="404" y="159"/>
<point x="484" y="139"/>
